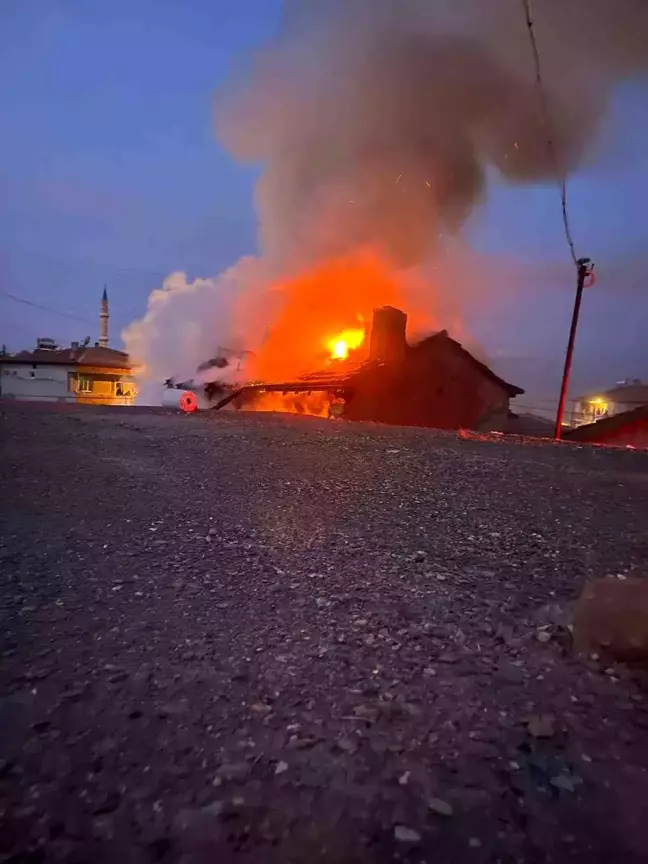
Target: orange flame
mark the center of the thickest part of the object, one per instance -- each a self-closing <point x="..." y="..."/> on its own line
<point x="346" y="341"/>
<point x="322" y="314"/>
<point x="313" y="404"/>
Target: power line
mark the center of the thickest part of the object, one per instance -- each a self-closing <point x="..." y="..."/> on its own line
<point x="54" y="311"/>
<point x="547" y="120"/>
<point x="141" y="270"/>
<point x="117" y="273"/>
<point x="44" y="308"/>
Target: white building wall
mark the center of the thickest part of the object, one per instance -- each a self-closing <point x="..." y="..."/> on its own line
<point x="35" y="382"/>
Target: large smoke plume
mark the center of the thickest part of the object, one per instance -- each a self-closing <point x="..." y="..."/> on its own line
<point x="375" y="121"/>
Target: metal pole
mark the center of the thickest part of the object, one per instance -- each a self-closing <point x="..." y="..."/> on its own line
<point x="584" y="269"/>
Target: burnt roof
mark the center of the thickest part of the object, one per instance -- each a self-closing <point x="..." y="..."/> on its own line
<point x="444" y="338"/>
<point x="593" y="431"/>
<point x="88" y="356"/>
<point x="340" y="373"/>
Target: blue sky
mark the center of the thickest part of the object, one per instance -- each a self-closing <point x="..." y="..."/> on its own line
<point x="110" y="174"/>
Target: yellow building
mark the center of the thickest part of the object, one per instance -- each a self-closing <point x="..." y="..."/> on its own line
<point x="92" y="374"/>
<point x="626" y="396"/>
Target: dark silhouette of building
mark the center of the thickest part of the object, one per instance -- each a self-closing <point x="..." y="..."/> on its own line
<point x="435" y="383"/>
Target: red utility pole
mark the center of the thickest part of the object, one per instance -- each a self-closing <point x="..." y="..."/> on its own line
<point x="585" y="270"/>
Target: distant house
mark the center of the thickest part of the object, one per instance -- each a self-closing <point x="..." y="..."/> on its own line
<point x="81" y="373"/>
<point x="434" y="383"/>
<point x="76" y="374"/>
<point x="625" y="396"/>
<point x="629" y="428"/>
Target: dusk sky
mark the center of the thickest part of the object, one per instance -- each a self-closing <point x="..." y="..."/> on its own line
<point x="110" y="174"/>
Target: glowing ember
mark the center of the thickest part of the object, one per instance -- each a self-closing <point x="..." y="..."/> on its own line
<point x="348" y="340"/>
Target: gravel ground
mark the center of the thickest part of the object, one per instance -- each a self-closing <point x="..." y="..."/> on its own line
<point x="274" y="639"/>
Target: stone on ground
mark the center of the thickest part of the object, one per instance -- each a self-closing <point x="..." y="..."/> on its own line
<point x="611" y="618"/>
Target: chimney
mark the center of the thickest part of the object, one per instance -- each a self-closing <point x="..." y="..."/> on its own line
<point x="388" y="342"/>
<point x="44" y="343"/>
<point x="103" y="320"/>
<point x="74" y="346"/>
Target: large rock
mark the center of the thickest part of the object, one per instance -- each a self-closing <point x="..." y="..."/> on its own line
<point x="611" y="618"/>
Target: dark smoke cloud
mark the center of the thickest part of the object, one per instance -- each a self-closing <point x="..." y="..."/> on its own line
<point x="375" y="120"/>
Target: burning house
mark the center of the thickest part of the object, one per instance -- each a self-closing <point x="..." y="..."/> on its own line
<point x="434" y="383"/>
<point x="376" y="126"/>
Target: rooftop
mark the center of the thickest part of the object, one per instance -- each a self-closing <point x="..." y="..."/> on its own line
<point x="342" y="372"/>
<point x="457" y="347"/>
<point x="627" y="393"/>
<point x="82" y="356"/>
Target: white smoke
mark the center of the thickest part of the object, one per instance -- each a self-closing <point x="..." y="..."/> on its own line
<point x="187" y="323"/>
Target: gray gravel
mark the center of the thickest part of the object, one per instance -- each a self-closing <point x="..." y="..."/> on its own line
<point x="276" y="639"/>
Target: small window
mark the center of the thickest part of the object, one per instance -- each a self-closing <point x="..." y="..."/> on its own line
<point x="85" y="384"/>
<point x="119" y="389"/>
<point x="598" y="408"/>
<point x="32" y="374"/>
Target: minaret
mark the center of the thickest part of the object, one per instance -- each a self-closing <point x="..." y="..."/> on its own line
<point x="103" y="320"/>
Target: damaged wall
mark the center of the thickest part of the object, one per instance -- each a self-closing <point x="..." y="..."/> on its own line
<point x="435" y="383"/>
<point x="434" y="387"/>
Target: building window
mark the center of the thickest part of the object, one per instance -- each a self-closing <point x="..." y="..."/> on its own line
<point x="85" y="384"/>
<point x="598" y="408"/>
<point x="119" y="389"/>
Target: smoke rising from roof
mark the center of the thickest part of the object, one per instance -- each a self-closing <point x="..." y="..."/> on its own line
<point x="375" y="120"/>
<point x="375" y="123"/>
<point x="188" y="323"/>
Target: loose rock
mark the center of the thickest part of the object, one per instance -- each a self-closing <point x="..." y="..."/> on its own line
<point x="611" y="617"/>
<point x="406" y="835"/>
<point x="438" y="805"/>
<point x="541" y="726"/>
